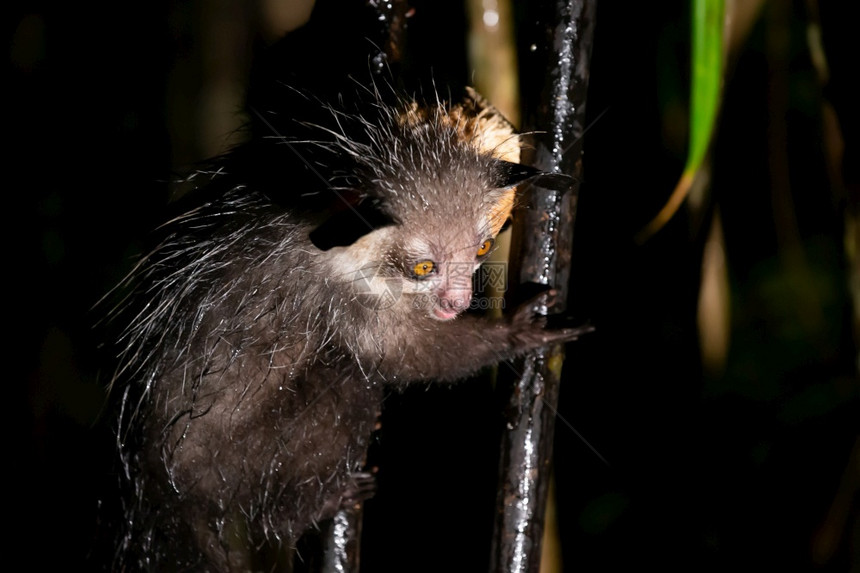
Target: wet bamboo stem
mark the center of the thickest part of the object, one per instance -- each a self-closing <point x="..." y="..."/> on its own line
<point x="554" y="59"/>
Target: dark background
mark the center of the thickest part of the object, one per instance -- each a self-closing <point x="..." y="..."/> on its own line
<point x="740" y="466"/>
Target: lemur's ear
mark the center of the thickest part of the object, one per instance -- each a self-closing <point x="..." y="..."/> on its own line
<point x="508" y="176"/>
<point x="513" y="174"/>
<point x="348" y="224"/>
<point x="483" y="126"/>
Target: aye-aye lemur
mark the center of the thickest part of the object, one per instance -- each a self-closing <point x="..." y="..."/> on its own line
<point x="318" y="262"/>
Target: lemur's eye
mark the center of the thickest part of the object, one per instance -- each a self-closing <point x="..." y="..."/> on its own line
<point x="423" y="269"/>
<point x="485" y="247"/>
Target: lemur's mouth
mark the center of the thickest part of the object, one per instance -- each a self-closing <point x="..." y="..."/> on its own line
<point x="444" y="313"/>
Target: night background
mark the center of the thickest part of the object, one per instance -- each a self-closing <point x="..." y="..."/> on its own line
<point x="719" y="390"/>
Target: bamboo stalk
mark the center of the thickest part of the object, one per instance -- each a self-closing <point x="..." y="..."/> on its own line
<point x="554" y="58"/>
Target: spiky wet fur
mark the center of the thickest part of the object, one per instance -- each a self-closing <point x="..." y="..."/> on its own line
<point x="252" y="363"/>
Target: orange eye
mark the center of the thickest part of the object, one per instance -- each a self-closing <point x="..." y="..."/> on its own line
<point x="423" y="269"/>
<point x="485" y="247"/>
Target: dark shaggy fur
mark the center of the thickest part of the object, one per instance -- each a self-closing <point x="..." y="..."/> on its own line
<point x="252" y="358"/>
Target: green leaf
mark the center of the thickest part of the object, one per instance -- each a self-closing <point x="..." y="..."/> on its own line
<point x="706" y="83"/>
